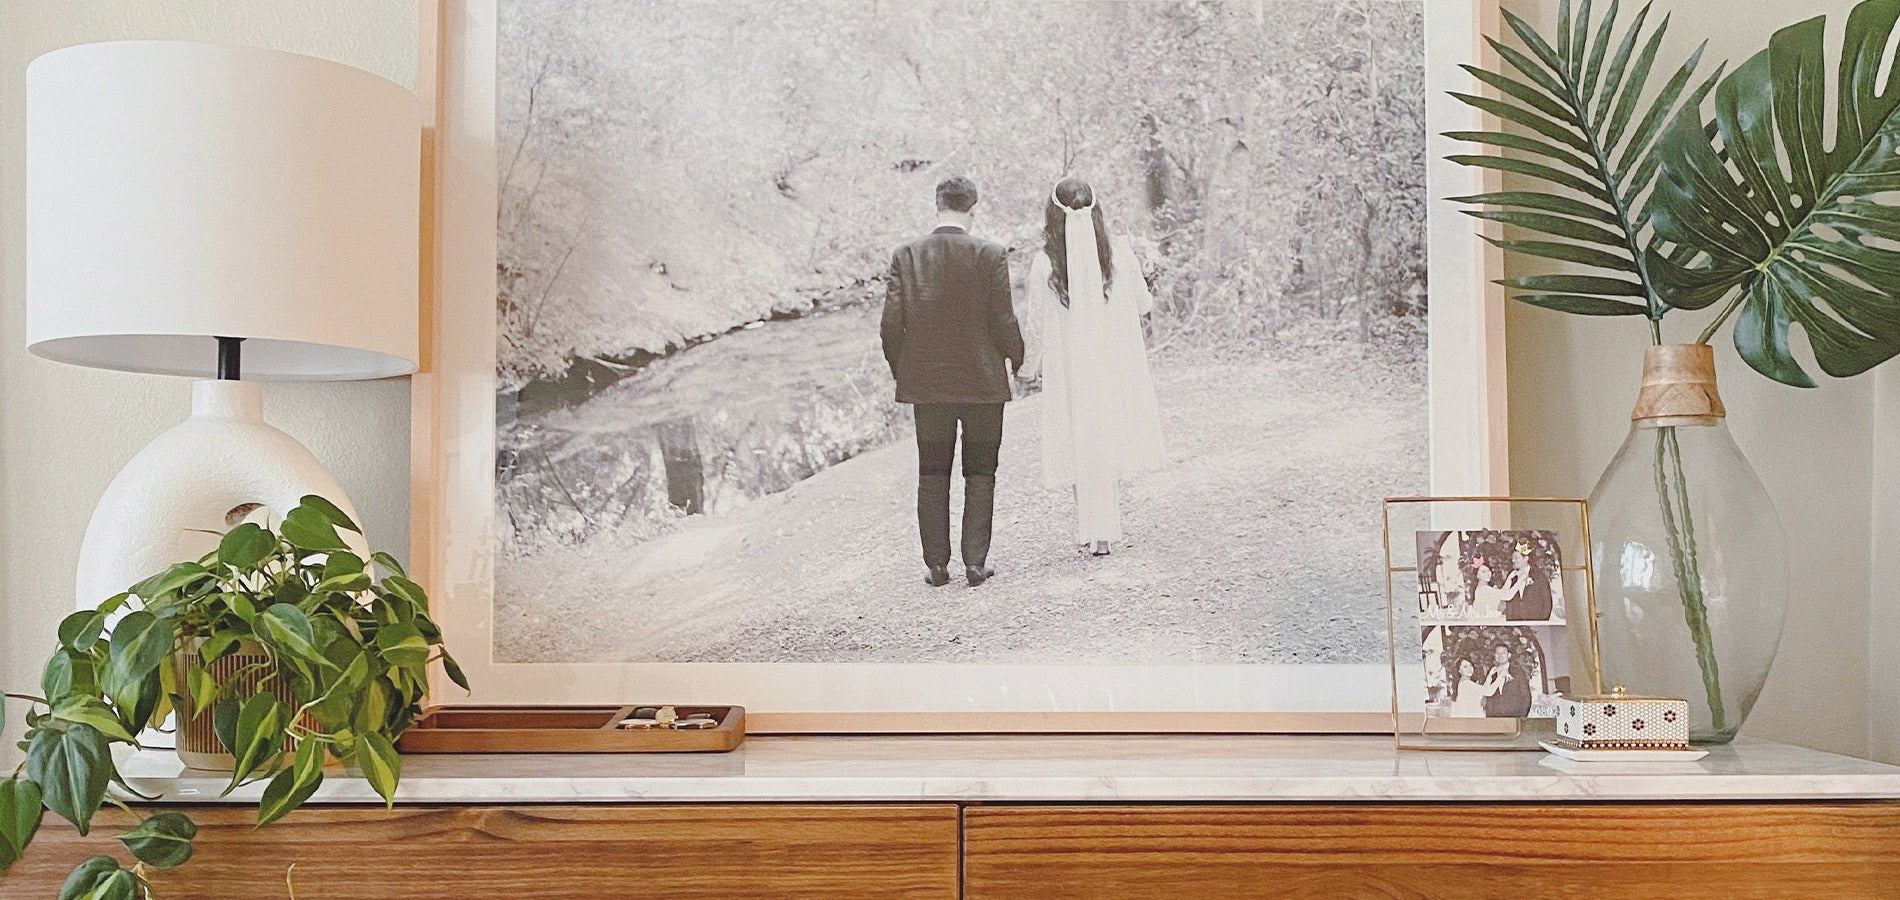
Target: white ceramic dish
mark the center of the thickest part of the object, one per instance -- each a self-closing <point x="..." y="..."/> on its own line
<point x="1688" y="755"/>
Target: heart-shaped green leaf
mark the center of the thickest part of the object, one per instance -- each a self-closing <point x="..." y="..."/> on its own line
<point x="355" y="674"/>
<point x="82" y="629"/>
<point x="260" y="736"/>
<point x="90" y="711"/>
<point x="178" y="576"/>
<point x="342" y="563"/>
<point x="402" y="645"/>
<point x="291" y="787"/>
<point x="245" y="546"/>
<point x="346" y="584"/>
<point x="308" y="529"/>
<point x="376" y="756"/>
<point x="140" y="700"/>
<point x="20" y="810"/>
<point x="216" y="646"/>
<point x="69" y="673"/>
<point x="388" y="563"/>
<point x="372" y="708"/>
<point x="202" y="688"/>
<point x="329" y="511"/>
<point x="72" y="766"/>
<point x="454" y="671"/>
<point x="163" y="840"/>
<point x="224" y="719"/>
<point x="286" y="627"/>
<point x="139" y="643"/>
<point x="407" y="590"/>
<point x="242" y="606"/>
<point x="409" y="687"/>
<point x="100" y="878"/>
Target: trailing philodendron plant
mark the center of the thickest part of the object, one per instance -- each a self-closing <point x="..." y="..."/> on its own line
<point x="350" y="648"/>
<point x="1722" y="192"/>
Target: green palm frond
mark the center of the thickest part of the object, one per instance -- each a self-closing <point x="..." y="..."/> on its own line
<point x="1787" y="228"/>
<point x="1585" y="128"/>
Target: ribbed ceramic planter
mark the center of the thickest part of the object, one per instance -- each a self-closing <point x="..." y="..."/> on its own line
<point x="198" y="745"/>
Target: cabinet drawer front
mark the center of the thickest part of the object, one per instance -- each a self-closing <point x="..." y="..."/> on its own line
<point x="590" y="852"/>
<point x="1464" y="851"/>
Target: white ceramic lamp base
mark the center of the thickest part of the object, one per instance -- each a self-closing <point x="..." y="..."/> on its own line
<point x="169" y="503"/>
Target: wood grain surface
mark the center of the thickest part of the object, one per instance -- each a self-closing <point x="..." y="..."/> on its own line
<point x="862" y="852"/>
<point x="1127" y="852"/>
<point x="1597" y="851"/>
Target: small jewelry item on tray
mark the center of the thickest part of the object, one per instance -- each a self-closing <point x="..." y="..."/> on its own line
<point x="667" y="717"/>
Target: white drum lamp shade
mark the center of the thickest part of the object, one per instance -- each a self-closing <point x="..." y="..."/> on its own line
<point x="177" y="192"/>
<point x="192" y="206"/>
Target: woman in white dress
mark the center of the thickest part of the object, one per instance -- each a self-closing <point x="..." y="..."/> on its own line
<point x="1487" y="599"/>
<point x="1100" y="419"/>
<point x="1467" y="698"/>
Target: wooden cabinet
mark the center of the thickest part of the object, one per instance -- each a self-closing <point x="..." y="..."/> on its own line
<point x="869" y="852"/>
<point x="1041" y="852"/>
<point x="1597" y="851"/>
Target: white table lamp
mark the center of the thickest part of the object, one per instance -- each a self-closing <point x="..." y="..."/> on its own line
<point x="199" y="209"/>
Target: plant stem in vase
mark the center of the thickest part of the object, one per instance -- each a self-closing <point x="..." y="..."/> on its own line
<point x="1672" y="495"/>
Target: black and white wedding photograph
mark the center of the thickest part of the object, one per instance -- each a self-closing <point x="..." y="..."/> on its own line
<point x="957" y="332"/>
<point x="1494" y="671"/>
<point x="1490" y="577"/>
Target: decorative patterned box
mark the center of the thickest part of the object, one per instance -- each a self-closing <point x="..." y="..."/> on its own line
<point x="1621" y="722"/>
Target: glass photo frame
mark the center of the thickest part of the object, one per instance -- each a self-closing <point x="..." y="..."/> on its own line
<point x="1491" y="615"/>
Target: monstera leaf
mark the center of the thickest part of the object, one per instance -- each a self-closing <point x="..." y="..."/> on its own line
<point x="1789" y="226"/>
<point x="1587" y="127"/>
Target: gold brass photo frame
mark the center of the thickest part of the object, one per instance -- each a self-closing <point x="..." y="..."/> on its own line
<point x="1414" y="619"/>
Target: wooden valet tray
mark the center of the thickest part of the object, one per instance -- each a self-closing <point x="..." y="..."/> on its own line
<point x="565" y="729"/>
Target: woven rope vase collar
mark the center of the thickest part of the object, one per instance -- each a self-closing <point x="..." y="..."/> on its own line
<point x="1678" y="387"/>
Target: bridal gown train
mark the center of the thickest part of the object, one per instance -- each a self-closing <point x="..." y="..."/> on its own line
<point x="1100" y="418"/>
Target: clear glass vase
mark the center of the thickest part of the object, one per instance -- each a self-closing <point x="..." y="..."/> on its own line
<point x="1690" y="557"/>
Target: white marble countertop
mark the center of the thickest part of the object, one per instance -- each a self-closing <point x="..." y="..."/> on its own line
<point x="1072" y="768"/>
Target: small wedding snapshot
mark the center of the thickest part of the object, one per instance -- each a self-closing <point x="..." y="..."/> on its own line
<point x="1494" y="671"/>
<point x="1490" y="577"/>
<point x="948" y="332"/>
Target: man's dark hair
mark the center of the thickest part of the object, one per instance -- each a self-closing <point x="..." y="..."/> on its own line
<point x="956" y="194"/>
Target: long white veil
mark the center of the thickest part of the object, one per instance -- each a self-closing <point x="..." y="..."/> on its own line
<point x="1101" y="420"/>
<point x="1085" y="266"/>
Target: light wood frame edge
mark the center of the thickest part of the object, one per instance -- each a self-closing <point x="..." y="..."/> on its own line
<point x="433" y="20"/>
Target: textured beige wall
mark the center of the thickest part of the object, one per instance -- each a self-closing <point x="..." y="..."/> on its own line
<point x="1573" y="381"/>
<point x="66" y="431"/>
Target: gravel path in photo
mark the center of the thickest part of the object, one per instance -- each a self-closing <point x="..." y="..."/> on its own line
<point x="1258" y="543"/>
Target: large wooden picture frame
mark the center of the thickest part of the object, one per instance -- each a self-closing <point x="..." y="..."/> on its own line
<point x="453" y="459"/>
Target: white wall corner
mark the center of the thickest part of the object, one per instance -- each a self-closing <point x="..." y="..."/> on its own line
<point x="1883" y="618"/>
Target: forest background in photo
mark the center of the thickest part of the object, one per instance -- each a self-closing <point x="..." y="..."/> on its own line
<point x="699" y="201"/>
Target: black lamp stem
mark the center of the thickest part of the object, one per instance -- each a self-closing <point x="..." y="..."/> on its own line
<point x="230" y="352"/>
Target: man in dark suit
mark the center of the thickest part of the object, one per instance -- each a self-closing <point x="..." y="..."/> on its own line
<point x="949" y="329"/>
<point x="1513" y="697"/>
<point x="1530" y="596"/>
